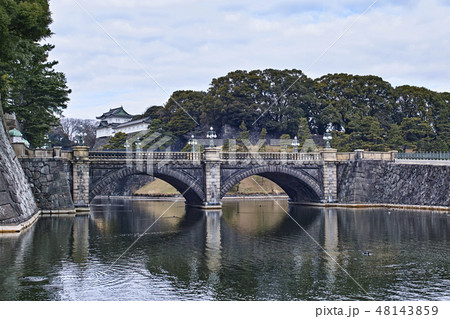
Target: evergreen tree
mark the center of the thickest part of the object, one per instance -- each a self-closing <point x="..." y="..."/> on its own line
<point x="117" y="142"/>
<point x="361" y="111"/>
<point x="262" y="137"/>
<point x="417" y="134"/>
<point x="29" y="85"/>
<point x="395" y="139"/>
<point x="285" y="142"/>
<point x="303" y="132"/>
<point x="182" y="111"/>
<point x="244" y="135"/>
<point x="156" y="125"/>
<point x="366" y="133"/>
<point x="309" y="146"/>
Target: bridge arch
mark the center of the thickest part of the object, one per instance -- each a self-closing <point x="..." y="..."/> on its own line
<point x="187" y="185"/>
<point x="298" y="185"/>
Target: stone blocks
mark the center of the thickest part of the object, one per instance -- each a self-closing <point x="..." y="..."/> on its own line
<point x="49" y="179"/>
<point x="17" y="204"/>
<point x="391" y="183"/>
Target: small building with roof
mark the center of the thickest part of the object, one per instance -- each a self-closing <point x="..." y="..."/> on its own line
<point x="118" y="120"/>
<point x="16" y="137"/>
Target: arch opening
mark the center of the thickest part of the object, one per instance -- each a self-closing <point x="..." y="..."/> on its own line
<point x="253" y="185"/>
<point x="298" y="185"/>
<point x="157" y="188"/>
<point x="184" y="184"/>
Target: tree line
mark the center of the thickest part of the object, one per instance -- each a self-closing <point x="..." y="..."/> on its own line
<point x="29" y="85"/>
<point x="360" y="111"/>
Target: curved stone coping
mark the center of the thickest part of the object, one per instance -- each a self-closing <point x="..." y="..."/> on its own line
<point x="175" y="198"/>
<point x="423" y="162"/>
<point x="254" y="197"/>
<point x="58" y="212"/>
<point x="376" y="205"/>
<point x="21" y="226"/>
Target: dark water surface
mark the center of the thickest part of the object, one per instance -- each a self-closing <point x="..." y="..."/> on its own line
<point x="252" y="250"/>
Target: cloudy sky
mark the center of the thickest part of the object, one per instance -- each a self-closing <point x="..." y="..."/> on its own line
<point x="135" y="53"/>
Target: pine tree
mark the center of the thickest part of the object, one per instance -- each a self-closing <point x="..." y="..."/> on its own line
<point x="29" y="85"/>
<point x="117" y="142"/>
<point x="285" y="142"/>
<point x="303" y="132"/>
<point x="262" y="137"/>
<point x="244" y="135"/>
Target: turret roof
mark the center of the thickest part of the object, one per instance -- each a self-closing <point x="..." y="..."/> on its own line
<point x="117" y="112"/>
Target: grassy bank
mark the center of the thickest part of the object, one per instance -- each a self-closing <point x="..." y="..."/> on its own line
<point x="248" y="186"/>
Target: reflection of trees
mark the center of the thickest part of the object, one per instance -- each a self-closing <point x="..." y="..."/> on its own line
<point x="28" y="259"/>
<point x="392" y="238"/>
<point x="13" y="248"/>
<point x="396" y="226"/>
<point x="195" y="254"/>
<point x="180" y="258"/>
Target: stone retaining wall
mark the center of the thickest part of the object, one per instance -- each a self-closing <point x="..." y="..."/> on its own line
<point x="364" y="181"/>
<point x="50" y="180"/>
<point x="17" y="204"/>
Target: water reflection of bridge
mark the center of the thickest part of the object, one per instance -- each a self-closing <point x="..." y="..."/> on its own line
<point x="212" y="238"/>
<point x="192" y="247"/>
<point x="233" y="255"/>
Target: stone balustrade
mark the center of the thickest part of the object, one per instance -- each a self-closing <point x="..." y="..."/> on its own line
<point x="237" y="157"/>
<point x="139" y="155"/>
<point x="22" y="151"/>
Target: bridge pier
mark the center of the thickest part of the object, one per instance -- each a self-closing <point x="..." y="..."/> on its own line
<point x="81" y="176"/>
<point x="212" y="178"/>
<point x="329" y="156"/>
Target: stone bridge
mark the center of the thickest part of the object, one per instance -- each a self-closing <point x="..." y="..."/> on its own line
<point x="64" y="179"/>
<point x="204" y="178"/>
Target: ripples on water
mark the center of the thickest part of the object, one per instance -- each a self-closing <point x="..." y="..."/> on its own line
<point x="251" y="250"/>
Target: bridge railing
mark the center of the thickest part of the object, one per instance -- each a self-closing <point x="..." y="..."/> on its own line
<point x="431" y="156"/>
<point x="270" y="156"/>
<point x="136" y="155"/>
<point x="345" y="156"/>
<point x="22" y="151"/>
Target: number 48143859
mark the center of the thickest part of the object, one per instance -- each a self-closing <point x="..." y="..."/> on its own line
<point x="407" y="310"/>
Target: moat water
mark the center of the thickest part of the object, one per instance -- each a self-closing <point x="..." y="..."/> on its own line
<point x="252" y="250"/>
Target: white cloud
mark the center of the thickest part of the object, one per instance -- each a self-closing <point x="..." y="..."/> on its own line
<point x="184" y="44"/>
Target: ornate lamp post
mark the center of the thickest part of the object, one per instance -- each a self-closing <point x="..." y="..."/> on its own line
<point x="81" y="138"/>
<point x="81" y="135"/>
<point x="47" y="141"/>
<point x="138" y="145"/>
<point x="192" y="142"/>
<point x="211" y="135"/>
<point x="295" y="143"/>
<point x="327" y="137"/>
